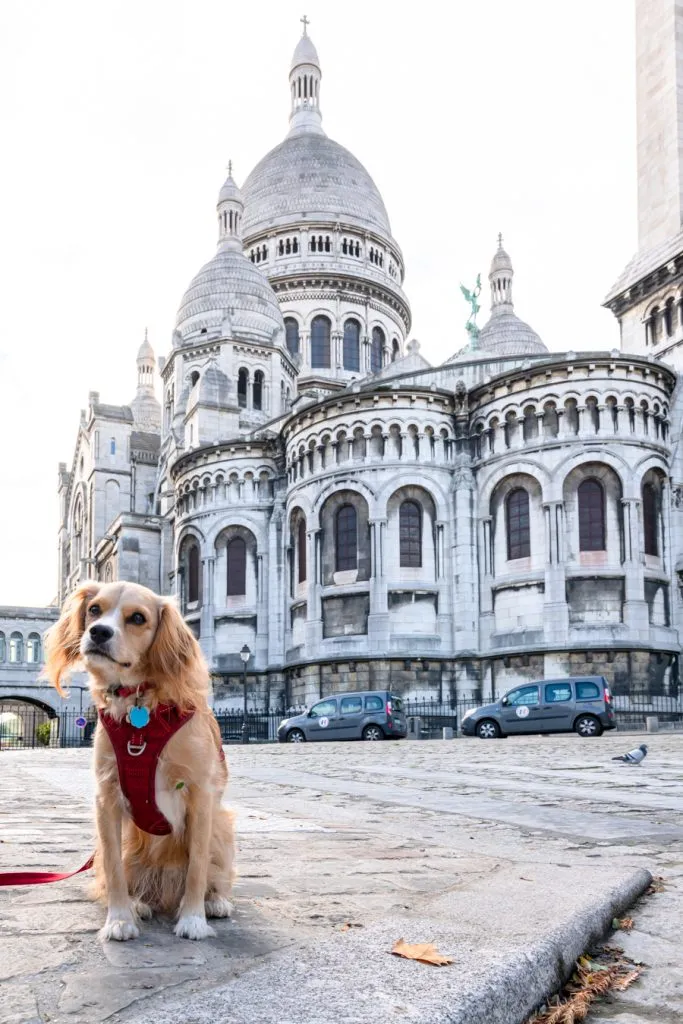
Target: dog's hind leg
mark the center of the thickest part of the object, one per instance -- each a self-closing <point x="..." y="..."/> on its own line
<point x="221" y="868"/>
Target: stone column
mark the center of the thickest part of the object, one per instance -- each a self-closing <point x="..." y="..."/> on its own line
<point x="404" y="455"/>
<point x="581" y="415"/>
<point x="305" y="347"/>
<point x="555" y="608"/>
<point x="336" y="355"/>
<point x="314" y="613"/>
<point x="275" y="597"/>
<point x="539" y="420"/>
<point x="636" y="615"/>
<point x="440" y="550"/>
<point x="207" y="612"/>
<point x="378" y="619"/>
<point x="425" y="448"/>
<point x="457" y="576"/>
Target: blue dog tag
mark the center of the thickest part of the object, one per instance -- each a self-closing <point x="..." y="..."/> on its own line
<point x="138" y="717"/>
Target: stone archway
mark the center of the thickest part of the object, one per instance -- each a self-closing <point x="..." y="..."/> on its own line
<point x="26" y="722"/>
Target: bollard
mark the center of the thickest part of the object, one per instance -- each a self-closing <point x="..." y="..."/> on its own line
<point x="447" y="732"/>
<point x="651" y="723"/>
<point x="414" y="727"/>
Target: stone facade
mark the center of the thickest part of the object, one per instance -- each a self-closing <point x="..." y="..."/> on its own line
<point x="311" y="487"/>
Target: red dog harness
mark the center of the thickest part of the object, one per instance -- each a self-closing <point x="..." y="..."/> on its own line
<point x="137" y="756"/>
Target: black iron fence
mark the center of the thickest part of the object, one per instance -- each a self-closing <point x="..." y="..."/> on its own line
<point x="24" y="726"/>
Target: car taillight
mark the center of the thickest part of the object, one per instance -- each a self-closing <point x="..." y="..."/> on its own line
<point x="608" y="697"/>
<point x="389" y="708"/>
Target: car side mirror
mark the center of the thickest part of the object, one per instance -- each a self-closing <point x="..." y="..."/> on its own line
<point x="309" y="714"/>
<point x="505" y="702"/>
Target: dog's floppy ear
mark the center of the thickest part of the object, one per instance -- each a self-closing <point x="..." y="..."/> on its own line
<point x="174" y="661"/>
<point x="63" y="640"/>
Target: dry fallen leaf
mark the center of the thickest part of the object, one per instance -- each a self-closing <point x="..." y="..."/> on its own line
<point x="626" y="924"/>
<point x="350" y="924"/>
<point x="425" y="952"/>
<point x="627" y="979"/>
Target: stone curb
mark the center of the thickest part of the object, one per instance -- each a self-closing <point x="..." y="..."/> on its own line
<point x="351" y="978"/>
<point x="522" y="983"/>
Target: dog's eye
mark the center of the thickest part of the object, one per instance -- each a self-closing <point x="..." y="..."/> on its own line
<point x="138" y="619"/>
<point x="95" y="609"/>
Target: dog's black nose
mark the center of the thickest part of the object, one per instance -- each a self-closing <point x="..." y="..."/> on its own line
<point x="101" y="634"/>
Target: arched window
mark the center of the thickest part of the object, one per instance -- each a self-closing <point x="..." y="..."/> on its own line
<point x="193" y="574"/>
<point x="194" y="378"/>
<point x="376" y="349"/>
<point x="518" y="525"/>
<point x="650" y="519"/>
<point x="346" y="539"/>
<point x="669" y="317"/>
<point x="16" y="649"/>
<point x="395" y="350"/>
<point x="257" y="395"/>
<point x="3" y="648"/>
<point x="320" y="343"/>
<point x="301" y="545"/>
<point x="33" y="649"/>
<point x="242" y="380"/>
<point x="237" y="567"/>
<point x="352" y="345"/>
<point x="410" y="535"/>
<point x="591" y="516"/>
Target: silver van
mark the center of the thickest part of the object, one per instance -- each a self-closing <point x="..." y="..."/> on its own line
<point x="364" y="715"/>
<point x="582" y="704"/>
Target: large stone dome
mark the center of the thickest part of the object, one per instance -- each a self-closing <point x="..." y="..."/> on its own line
<point x="230" y="292"/>
<point x="310" y="177"/>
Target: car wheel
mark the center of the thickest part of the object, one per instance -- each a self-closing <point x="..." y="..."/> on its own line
<point x="373" y="732"/>
<point x="296" y="736"/>
<point x="488" y="730"/>
<point x="587" y="726"/>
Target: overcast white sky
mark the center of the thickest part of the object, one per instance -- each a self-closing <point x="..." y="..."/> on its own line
<point x="119" y="119"/>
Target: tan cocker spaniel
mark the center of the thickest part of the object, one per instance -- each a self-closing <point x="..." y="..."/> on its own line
<point x="164" y="842"/>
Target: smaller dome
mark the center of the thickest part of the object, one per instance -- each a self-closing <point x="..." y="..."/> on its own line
<point x="229" y="192"/>
<point x="229" y="293"/>
<point x="145" y="352"/>
<point x="501" y="260"/>
<point x="305" y="53"/>
<point x="506" y="335"/>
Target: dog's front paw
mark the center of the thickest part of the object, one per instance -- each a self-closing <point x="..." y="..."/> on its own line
<point x="119" y="926"/>
<point x="218" y="906"/>
<point x="193" y="926"/>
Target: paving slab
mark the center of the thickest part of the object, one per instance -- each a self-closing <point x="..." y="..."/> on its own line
<point x="510" y="856"/>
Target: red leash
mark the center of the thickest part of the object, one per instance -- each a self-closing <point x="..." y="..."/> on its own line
<point x="38" y="877"/>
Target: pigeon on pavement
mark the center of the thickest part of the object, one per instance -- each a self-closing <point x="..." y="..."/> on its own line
<point x="633" y="756"/>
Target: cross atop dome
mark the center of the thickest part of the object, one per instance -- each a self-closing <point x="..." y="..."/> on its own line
<point x="304" y="85"/>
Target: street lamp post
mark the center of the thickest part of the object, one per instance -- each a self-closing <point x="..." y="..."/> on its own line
<point x="245" y="655"/>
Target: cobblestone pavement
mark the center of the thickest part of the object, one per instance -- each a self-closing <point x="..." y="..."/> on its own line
<point x="495" y="841"/>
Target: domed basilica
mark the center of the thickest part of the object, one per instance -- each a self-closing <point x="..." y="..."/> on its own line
<point x="310" y="487"/>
